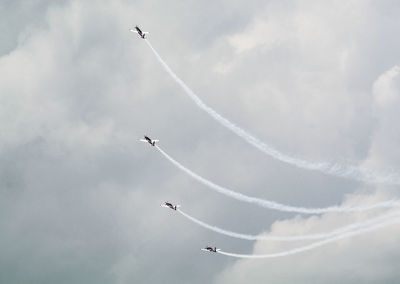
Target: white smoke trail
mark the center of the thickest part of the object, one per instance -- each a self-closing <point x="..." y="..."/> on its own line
<point x="327" y="168"/>
<point x="345" y="229"/>
<point x="275" y="205"/>
<point x="315" y="244"/>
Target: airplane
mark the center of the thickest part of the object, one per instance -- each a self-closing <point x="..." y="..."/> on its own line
<point x="149" y="140"/>
<point x="139" y="32"/>
<point x="170" y="205"/>
<point x="211" y="249"/>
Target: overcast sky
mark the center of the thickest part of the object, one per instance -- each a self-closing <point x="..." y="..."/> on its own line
<point x="79" y="196"/>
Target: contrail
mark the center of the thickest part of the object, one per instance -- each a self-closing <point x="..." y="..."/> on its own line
<point x="272" y="204"/>
<point x="324" y="167"/>
<point x="316" y="244"/>
<point x="345" y="229"/>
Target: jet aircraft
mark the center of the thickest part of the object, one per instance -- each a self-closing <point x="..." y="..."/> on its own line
<point x="139" y="32"/>
<point x="211" y="249"/>
<point x="149" y="140"/>
<point x="170" y="205"/>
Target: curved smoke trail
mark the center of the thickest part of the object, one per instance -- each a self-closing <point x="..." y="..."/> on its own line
<point x="345" y="229"/>
<point x="324" y="167"/>
<point x="314" y="245"/>
<point x="272" y="204"/>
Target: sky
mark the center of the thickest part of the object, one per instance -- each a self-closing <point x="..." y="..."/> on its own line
<point x="80" y="196"/>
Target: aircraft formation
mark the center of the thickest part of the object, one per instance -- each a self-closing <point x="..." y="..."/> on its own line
<point x="168" y="204"/>
<point x="345" y="171"/>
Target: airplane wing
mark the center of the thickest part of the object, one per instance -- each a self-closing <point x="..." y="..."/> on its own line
<point x="145" y="33"/>
<point x="155" y="140"/>
<point x="134" y="31"/>
<point x="205" y="249"/>
<point x="164" y="205"/>
<point x="142" y="140"/>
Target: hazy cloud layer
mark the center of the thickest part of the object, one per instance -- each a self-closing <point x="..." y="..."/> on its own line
<point x="79" y="196"/>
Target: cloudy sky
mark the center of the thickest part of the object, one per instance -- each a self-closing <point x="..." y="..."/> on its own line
<point x="79" y="196"/>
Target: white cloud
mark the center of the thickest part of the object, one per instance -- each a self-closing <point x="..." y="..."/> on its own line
<point x="384" y="90"/>
<point x="386" y="137"/>
<point x="367" y="258"/>
<point x="287" y="75"/>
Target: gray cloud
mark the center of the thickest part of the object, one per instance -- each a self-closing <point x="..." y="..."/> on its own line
<point x="79" y="196"/>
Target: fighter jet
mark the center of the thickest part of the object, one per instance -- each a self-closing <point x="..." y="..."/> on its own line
<point x="139" y="32"/>
<point x="148" y="140"/>
<point x="170" y="205"/>
<point x="211" y="249"/>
